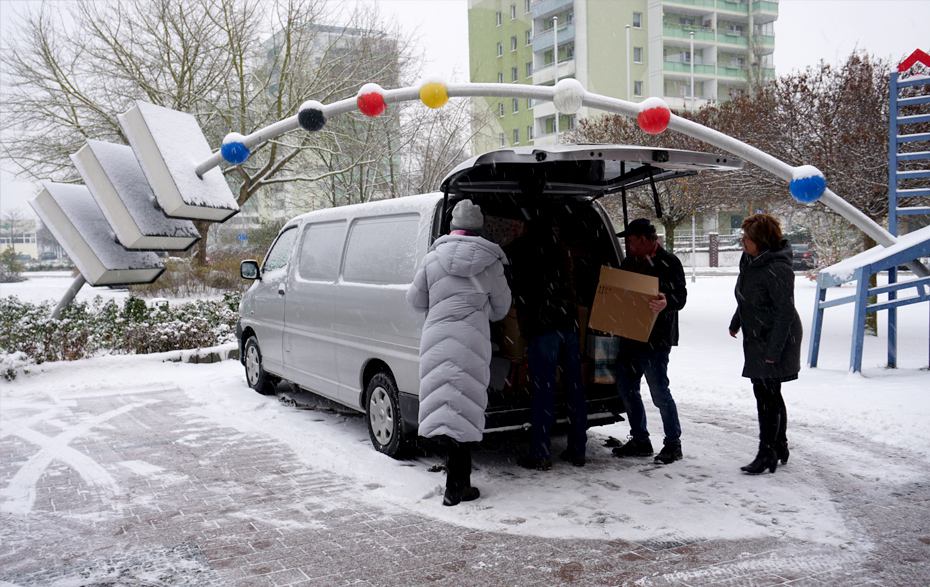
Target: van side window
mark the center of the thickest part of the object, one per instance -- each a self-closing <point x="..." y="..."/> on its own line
<point x="321" y="251"/>
<point x="382" y="250"/>
<point x="280" y="251"/>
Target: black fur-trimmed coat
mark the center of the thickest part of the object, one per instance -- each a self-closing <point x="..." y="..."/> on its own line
<point x="766" y="315"/>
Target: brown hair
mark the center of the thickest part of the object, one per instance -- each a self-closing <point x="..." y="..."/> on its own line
<point x="762" y="229"/>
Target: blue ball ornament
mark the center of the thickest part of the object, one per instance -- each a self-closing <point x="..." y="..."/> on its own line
<point x="807" y="190"/>
<point x="311" y="119"/>
<point x="234" y="153"/>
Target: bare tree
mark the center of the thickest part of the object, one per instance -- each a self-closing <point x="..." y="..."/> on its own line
<point x="15" y="223"/>
<point x="679" y="199"/>
<point x="237" y="65"/>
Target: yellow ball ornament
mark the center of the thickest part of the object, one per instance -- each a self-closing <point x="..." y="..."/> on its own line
<point x="434" y="95"/>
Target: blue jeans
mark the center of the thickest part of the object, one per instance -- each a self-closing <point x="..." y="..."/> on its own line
<point x="543" y="355"/>
<point x="653" y="363"/>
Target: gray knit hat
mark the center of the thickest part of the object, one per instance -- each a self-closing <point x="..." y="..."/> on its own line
<point x="467" y="216"/>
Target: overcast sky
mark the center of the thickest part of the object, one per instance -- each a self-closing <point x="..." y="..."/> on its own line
<point x="806" y="32"/>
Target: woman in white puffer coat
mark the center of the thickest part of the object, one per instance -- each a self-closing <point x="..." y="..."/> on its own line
<point x="461" y="284"/>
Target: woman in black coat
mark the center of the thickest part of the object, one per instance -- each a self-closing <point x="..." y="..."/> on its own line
<point x="772" y="332"/>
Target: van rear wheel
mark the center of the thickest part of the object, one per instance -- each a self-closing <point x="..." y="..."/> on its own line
<point x="385" y="425"/>
<point x="257" y="378"/>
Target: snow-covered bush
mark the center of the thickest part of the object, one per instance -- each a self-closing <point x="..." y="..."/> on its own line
<point x="28" y="334"/>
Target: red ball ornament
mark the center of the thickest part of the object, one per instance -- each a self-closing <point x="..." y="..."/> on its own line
<point x="654" y="120"/>
<point x="371" y="103"/>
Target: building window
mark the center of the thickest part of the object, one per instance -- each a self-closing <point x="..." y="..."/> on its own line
<point x="499" y="17"/>
<point x="500" y="49"/>
<point x="637" y="20"/>
<point x="637" y="88"/>
<point x="529" y="133"/>
<point x="500" y="77"/>
<point x="637" y="54"/>
<point x="500" y="110"/>
<point x="529" y="37"/>
<point x="529" y="69"/>
<point x="516" y="136"/>
<point x="513" y="11"/>
<point x="570" y="52"/>
<point x="502" y="140"/>
<point x="526" y="6"/>
<point x="529" y="103"/>
<point x="550" y="125"/>
<point x="513" y="43"/>
<point x="516" y="106"/>
<point x="570" y="124"/>
<point x="513" y="74"/>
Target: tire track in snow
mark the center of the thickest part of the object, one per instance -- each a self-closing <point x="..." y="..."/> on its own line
<point x="20" y="494"/>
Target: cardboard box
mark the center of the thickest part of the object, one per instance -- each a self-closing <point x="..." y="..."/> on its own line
<point x="508" y="336"/>
<point x="621" y="304"/>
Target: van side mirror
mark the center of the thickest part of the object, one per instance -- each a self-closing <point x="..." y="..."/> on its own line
<point x="249" y="270"/>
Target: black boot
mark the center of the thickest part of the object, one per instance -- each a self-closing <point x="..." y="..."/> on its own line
<point x="458" y="475"/>
<point x="781" y="441"/>
<point x="782" y="452"/>
<point x="766" y="457"/>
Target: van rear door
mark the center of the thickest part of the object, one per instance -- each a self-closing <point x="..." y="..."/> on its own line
<point x="584" y="171"/>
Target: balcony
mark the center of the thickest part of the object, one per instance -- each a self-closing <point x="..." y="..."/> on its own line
<point x="684" y="32"/>
<point x="733" y="38"/>
<point x="685" y="68"/>
<point x="739" y="7"/>
<point x="702" y="3"/>
<point x="765" y="11"/>
<point x="544" y="8"/>
<point x="546" y="73"/>
<point x="544" y="40"/>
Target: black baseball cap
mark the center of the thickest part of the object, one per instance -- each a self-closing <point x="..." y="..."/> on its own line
<point x="638" y="227"/>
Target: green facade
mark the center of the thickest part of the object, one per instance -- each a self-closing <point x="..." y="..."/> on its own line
<point x="493" y="58"/>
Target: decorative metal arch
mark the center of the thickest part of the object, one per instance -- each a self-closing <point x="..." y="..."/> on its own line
<point x="806" y="183"/>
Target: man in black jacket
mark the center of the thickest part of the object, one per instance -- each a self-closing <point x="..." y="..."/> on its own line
<point x="636" y="359"/>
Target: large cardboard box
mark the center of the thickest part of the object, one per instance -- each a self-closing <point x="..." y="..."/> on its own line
<point x="621" y="305"/>
<point x="508" y="336"/>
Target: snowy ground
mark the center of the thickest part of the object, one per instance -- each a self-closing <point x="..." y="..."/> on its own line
<point x="848" y="432"/>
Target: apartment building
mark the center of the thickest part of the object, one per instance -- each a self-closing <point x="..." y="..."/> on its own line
<point x="629" y="49"/>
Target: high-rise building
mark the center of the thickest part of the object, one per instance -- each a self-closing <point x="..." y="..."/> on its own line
<point x="629" y="49"/>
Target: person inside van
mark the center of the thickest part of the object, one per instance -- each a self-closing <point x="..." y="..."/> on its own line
<point x="461" y="285"/>
<point x="547" y="313"/>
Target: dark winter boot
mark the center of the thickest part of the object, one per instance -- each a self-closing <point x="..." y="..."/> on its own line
<point x="781" y="441"/>
<point x="782" y="452"/>
<point x="458" y="475"/>
<point x="766" y="457"/>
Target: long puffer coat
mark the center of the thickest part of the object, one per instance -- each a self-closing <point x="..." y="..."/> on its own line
<point x="461" y="283"/>
<point x="765" y="311"/>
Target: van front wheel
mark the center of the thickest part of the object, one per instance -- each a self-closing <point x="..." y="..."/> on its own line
<point x="385" y="425"/>
<point x="257" y="378"/>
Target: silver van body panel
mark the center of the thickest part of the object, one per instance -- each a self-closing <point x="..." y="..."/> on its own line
<point x="322" y="331"/>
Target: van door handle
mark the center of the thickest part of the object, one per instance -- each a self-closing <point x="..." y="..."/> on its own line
<point x="282" y="289"/>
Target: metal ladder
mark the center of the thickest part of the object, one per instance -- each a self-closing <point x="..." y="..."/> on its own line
<point x="896" y="137"/>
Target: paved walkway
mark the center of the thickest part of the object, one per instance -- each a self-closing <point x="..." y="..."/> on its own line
<point x="246" y="511"/>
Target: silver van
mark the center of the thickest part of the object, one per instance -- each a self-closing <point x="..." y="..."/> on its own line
<point x="327" y="311"/>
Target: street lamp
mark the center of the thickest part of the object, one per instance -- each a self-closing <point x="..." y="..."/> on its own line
<point x="692" y="72"/>
<point x="555" y="51"/>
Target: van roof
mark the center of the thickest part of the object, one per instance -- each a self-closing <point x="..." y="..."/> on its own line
<point x="578" y="170"/>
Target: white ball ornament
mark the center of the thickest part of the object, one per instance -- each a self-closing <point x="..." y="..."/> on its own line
<point x="568" y="96"/>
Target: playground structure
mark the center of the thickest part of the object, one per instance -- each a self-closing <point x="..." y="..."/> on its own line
<point x="862" y="267"/>
<point x="186" y="181"/>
